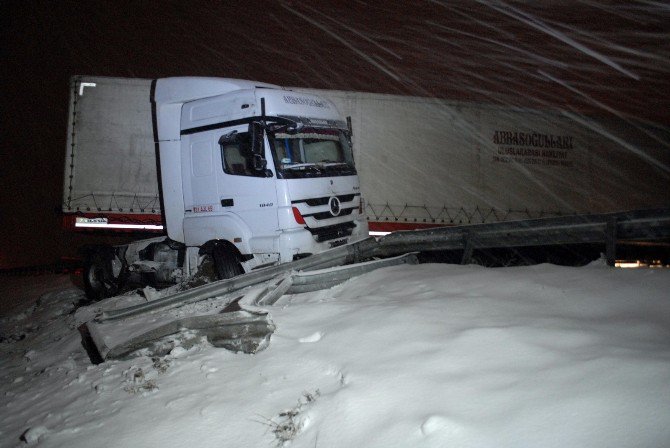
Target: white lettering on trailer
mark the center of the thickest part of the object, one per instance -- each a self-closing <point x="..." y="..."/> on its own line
<point x="303" y="101"/>
<point x="533" y="148"/>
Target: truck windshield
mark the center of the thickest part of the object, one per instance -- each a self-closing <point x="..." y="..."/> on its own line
<point x="312" y="152"/>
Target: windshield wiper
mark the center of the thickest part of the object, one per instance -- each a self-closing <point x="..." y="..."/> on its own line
<point x="300" y="165"/>
<point x="317" y="165"/>
<point x="329" y="164"/>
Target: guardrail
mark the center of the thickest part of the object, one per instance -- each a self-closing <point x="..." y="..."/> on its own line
<point x="645" y="225"/>
<point x="606" y="229"/>
<point x="111" y="332"/>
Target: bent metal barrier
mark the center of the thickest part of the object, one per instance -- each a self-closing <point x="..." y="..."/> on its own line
<point x="237" y="320"/>
<point x="313" y="272"/>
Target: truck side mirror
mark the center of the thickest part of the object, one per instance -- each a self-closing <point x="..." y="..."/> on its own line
<point x="260" y="165"/>
<point x="256" y="138"/>
<point x="258" y="162"/>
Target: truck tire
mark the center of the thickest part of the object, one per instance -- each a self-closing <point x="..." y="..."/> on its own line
<point x="226" y="263"/>
<point x="99" y="282"/>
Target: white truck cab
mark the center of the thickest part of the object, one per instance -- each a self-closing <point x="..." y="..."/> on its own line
<point x="251" y="174"/>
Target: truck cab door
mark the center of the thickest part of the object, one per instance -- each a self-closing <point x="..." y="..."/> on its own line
<point x="247" y="190"/>
<point x="225" y="198"/>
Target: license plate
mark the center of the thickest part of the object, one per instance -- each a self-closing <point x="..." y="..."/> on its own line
<point x="336" y="243"/>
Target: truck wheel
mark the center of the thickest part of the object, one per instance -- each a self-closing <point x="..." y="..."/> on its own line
<point x="226" y="263"/>
<point x="99" y="282"/>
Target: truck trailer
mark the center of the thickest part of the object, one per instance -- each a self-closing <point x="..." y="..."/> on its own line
<point x="426" y="162"/>
<point x="235" y="174"/>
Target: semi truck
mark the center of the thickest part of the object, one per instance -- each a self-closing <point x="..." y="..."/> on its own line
<point x="234" y="174"/>
<point x="423" y="162"/>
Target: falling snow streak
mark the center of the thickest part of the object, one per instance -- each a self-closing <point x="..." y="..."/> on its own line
<point x="335" y="36"/>
<point x="543" y="27"/>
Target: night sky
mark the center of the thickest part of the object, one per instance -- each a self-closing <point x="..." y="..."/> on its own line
<point x="597" y="57"/>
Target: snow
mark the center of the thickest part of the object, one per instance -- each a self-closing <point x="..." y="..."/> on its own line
<point x="429" y="355"/>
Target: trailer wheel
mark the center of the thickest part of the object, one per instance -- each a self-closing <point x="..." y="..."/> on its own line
<point x="99" y="281"/>
<point x="226" y="262"/>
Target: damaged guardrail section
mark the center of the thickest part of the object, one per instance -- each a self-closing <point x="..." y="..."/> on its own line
<point x="237" y="319"/>
<point x="238" y="316"/>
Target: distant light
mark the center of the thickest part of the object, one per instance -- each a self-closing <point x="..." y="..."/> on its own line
<point x="628" y="264"/>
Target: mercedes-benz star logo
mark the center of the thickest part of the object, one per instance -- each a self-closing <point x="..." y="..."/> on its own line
<point x="334" y="204"/>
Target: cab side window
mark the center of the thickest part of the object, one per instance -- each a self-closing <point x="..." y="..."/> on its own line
<point x="236" y="155"/>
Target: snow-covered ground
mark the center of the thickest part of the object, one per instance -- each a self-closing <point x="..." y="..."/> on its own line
<point x="409" y="356"/>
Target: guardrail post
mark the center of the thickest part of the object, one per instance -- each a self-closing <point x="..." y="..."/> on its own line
<point x="467" y="248"/>
<point x="610" y="241"/>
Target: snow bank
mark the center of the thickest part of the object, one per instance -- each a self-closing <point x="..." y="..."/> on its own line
<point x="409" y="356"/>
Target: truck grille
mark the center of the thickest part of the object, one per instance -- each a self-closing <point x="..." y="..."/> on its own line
<point x="322" y="224"/>
<point x="327" y="215"/>
<point x="315" y="202"/>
